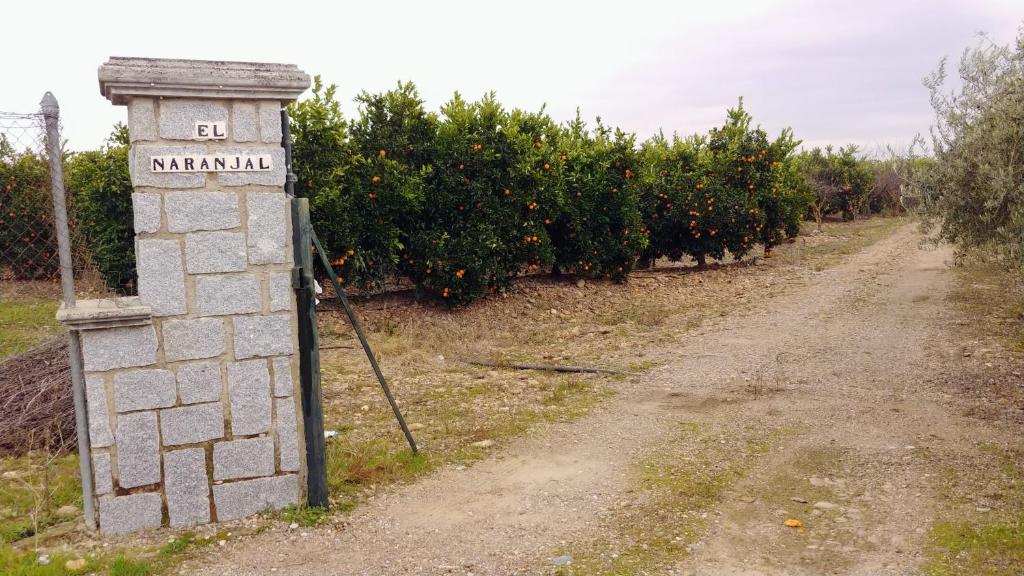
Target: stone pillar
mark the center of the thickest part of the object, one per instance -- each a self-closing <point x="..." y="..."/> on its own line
<point x="192" y="391"/>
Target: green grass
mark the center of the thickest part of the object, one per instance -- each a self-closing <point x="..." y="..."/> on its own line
<point x="356" y="465"/>
<point x="980" y="548"/>
<point x="30" y="499"/>
<point x="676" y="487"/>
<point x="964" y="541"/>
<point x="25" y="322"/>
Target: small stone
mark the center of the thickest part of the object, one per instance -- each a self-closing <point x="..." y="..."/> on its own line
<point x="799" y="500"/>
<point x="281" y="294"/>
<point x="293" y="525"/>
<point x="561" y="560"/>
<point x="283" y="383"/>
<point x="270" y="121"/>
<point x="199" y="382"/>
<point x="286" y="428"/>
<point x="581" y="283"/>
<point x="43" y="560"/>
<point x="67" y="512"/>
<point x="823" y="505"/>
<point x="75" y="565"/>
<point x="483" y="444"/>
<point x="243" y="122"/>
<point x="192" y="424"/>
<point x="100" y="435"/>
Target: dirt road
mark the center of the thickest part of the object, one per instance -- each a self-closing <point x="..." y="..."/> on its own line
<point x="817" y="404"/>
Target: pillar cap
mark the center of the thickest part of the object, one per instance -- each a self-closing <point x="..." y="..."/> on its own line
<point x="122" y="78"/>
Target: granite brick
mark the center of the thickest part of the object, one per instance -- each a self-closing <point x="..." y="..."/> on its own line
<point x="194" y="211"/>
<point x="186" y="486"/>
<point x="220" y="295"/>
<point x="144" y="390"/>
<point x="193" y="339"/>
<point x="236" y="500"/>
<point x="249" y="393"/>
<point x="161" y="276"/>
<point x="138" y="450"/>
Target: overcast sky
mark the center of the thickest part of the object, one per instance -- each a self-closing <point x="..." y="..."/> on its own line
<point x="835" y="71"/>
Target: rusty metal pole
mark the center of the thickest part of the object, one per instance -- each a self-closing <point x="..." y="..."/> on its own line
<point x="51" y="116"/>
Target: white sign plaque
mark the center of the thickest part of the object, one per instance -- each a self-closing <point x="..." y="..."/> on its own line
<point x="210" y="130"/>
<point x="212" y="163"/>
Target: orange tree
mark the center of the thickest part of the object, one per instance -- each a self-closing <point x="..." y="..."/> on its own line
<point x="482" y="221"/>
<point x="598" y="231"/>
<point x="362" y="202"/>
<point x="734" y="175"/>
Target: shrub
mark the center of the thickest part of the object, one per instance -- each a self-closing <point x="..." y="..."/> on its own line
<point x="840" y="181"/>
<point x="26" y="224"/>
<point x="732" y="181"/>
<point x="102" y="191"/>
<point x="973" y="193"/>
<point x="476" y="230"/>
<point x="363" y="218"/>
<point x="599" y="230"/>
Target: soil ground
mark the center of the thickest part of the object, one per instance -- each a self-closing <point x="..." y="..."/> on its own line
<point x="831" y="404"/>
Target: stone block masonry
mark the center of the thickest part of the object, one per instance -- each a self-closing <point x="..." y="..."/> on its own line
<point x="191" y="387"/>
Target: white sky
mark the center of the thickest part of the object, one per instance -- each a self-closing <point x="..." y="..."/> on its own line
<point x="836" y="71"/>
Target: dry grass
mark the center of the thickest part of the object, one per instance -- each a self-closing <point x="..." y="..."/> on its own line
<point x="451" y="404"/>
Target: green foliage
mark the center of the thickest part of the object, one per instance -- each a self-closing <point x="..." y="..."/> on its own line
<point x="363" y="203"/>
<point x="974" y="194"/>
<point x="840" y="180"/>
<point x="598" y="231"/>
<point x="99" y="182"/>
<point x="27" y="242"/>
<point x="705" y="197"/>
<point x="479" y="224"/>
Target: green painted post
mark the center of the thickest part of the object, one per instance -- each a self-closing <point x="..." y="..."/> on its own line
<point x="309" y="355"/>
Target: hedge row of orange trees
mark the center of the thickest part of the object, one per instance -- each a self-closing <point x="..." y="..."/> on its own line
<point x="464" y="201"/>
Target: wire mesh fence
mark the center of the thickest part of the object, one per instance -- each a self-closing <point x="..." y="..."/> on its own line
<point x="28" y="246"/>
<point x="28" y="242"/>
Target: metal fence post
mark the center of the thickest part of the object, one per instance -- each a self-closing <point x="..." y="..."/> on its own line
<point x="309" y="357"/>
<point x="51" y="116"/>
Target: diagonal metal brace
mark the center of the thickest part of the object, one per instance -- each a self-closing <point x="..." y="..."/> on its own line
<point x="362" y="340"/>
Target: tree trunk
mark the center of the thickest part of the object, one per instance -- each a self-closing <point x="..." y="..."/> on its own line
<point x="702" y="261"/>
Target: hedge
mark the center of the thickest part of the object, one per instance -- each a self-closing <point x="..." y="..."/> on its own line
<point x="462" y="202"/>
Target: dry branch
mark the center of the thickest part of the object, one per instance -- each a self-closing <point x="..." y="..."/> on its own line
<point x="36" y="411"/>
<point x="548" y="367"/>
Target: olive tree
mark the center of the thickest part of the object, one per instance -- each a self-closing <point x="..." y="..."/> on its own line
<point x="973" y="193"/>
